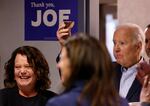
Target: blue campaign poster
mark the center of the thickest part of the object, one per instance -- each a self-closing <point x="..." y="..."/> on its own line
<point x="42" y="17"/>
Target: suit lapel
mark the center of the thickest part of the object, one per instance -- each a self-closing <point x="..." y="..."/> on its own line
<point x="117" y="68"/>
<point x="134" y="90"/>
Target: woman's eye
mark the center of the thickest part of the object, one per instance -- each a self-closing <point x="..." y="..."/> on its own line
<point x="17" y="67"/>
<point x="28" y="67"/>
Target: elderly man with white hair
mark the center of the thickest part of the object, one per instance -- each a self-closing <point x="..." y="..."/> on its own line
<point x="128" y="46"/>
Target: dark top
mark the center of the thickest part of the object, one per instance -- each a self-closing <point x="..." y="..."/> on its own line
<point x="11" y="97"/>
<point x="70" y="97"/>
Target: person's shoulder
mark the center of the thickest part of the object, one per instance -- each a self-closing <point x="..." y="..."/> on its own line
<point x="116" y="67"/>
<point x="123" y="102"/>
<point x="7" y="95"/>
<point x="8" y="90"/>
<point x="64" y="99"/>
<point x="61" y="100"/>
<point x="115" y="64"/>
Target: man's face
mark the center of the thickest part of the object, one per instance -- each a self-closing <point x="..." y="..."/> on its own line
<point x="147" y="42"/>
<point x="125" y="50"/>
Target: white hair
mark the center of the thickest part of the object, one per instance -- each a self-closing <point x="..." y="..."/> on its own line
<point x="137" y="33"/>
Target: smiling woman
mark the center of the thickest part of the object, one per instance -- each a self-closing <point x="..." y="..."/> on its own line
<point x="26" y="79"/>
<point x="24" y="76"/>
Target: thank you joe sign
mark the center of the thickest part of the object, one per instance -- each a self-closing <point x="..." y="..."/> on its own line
<point x="42" y="17"/>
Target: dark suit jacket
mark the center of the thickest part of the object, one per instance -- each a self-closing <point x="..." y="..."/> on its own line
<point x="134" y="92"/>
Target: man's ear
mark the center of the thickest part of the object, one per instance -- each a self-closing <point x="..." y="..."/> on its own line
<point x="139" y="45"/>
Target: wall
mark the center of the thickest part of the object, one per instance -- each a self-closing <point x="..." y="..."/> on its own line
<point x="94" y="18"/>
<point x="134" y="11"/>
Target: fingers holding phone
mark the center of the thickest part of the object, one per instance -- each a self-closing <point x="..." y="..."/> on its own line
<point x="69" y="24"/>
<point x="64" y="31"/>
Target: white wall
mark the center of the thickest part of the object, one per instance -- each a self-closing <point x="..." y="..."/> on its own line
<point x="94" y="18"/>
<point x="12" y="36"/>
<point x="134" y="11"/>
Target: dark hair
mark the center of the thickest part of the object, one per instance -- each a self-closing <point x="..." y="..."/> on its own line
<point x="90" y="61"/>
<point x="38" y="62"/>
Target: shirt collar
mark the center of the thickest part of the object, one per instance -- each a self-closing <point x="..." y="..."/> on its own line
<point x="132" y="68"/>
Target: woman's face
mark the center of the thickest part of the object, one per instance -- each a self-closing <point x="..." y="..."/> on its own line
<point x="64" y="66"/>
<point x="24" y="74"/>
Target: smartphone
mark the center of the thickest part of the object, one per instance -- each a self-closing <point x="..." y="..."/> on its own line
<point x="69" y="24"/>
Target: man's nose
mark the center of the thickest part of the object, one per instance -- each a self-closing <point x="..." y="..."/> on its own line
<point x="117" y="48"/>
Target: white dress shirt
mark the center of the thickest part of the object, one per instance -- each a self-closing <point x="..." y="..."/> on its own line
<point x="127" y="78"/>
